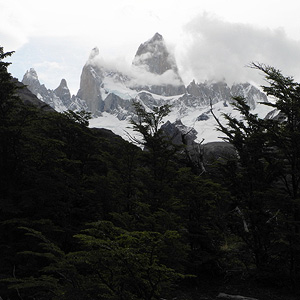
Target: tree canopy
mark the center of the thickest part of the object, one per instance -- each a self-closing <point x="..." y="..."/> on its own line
<point x="87" y="215"/>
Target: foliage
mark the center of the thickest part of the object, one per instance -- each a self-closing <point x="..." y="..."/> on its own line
<point x="127" y="265"/>
<point x="113" y="264"/>
<point x="148" y="125"/>
<point x="284" y="138"/>
<point x="87" y="215"/>
<point x="159" y="156"/>
<point x="265" y="179"/>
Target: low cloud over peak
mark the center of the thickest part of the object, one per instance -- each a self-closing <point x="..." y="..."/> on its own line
<point x="137" y="74"/>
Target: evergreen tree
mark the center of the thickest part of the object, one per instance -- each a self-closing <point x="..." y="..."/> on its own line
<point x="111" y="264"/>
<point x="12" y="117"/>
<point x="159" y="153"/>
<point x="284" y="139"/>
<point x="250" y="180"/>
<point x="265" y="179"/>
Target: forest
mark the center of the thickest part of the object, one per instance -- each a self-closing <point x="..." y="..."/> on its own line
<point x="87" y="215"/>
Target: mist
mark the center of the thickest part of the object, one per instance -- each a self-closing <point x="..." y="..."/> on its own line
<point x="136" y="74"/>
<point x="219" y="50"/>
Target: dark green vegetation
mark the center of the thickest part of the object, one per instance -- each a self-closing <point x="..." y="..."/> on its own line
<point x="86" y="215"/>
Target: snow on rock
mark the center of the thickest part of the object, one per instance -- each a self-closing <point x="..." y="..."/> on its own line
<point x="158" y="69"/>
<point x="111" y="122"/>
<point x="60" y="99"/>
<point x="32" y="82"/>
<point x="153" y="80"/>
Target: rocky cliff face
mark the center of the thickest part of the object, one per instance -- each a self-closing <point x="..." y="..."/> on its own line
<point x="153" y="57"/>
<point x="90" y="83"/>
<point x="249" y="92"/>
<point x="63" y="92"/>
<point x="31" y="80"/>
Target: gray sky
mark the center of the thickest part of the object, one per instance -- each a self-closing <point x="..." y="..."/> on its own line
<point x="211" y="39"/>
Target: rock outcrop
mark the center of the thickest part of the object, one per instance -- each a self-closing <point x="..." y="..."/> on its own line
<point x="31" y="80"/>
<point x="60" y="99"/>
<point x="90" y="83"/>
<point x="213" y="92"/>
<point x="179" y="134"/>
<point x="153" y="57"/>
<point x="63" y="92"/>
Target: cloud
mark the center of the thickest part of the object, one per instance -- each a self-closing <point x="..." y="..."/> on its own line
<point x="12" y="39"/>
<point x="49" y="65"/>
<point x="14" y="25"/>
<point x="138" y="75"/>
<point x="219" y="50"/>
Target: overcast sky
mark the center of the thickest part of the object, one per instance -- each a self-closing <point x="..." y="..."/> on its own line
<point x="211" y="39"/>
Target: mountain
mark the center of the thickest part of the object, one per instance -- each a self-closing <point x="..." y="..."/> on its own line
<point x="60" y="99"/>
<point x="153" y="57"/>
<point x="31" y="80"/>
<point x="215" y="92"/>
<point x="153" y="79"/>
<point x="29" y="98"/>
<point x="90" y="82"/>
<point x="63" y="92"/>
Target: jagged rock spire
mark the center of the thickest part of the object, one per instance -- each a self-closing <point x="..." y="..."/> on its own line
<point x="63" y="92"/>
<point x="31" y="80"/>
<point x="30" y="75"/>
<point x="154" y="56"/>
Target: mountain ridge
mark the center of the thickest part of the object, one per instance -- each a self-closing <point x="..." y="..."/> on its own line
<point x="153" y="80"/>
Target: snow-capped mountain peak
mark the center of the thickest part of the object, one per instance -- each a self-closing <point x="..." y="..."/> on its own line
<point x="154" y="56"/>
<point x="157" y="68"/>
<point x="153" y="80"/>
<point x="31" y="75"/>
